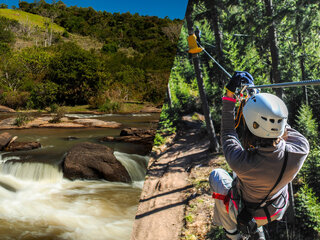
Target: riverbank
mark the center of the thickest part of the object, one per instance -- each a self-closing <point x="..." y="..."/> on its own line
<point x="66" y="117"/>
<point x="125" y="108"/>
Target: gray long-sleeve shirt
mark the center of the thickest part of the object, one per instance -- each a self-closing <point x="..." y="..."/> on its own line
<point x="259" y="170"/>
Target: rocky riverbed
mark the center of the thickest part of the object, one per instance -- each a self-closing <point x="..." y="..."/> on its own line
<point x="65" y="122"/>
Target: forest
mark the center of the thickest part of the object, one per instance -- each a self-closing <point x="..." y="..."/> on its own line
<point x="61" y="55"/>
<point x="275" y="41"/>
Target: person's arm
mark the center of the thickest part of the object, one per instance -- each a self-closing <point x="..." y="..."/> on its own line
<point x="233" y="151"/>
<point x="297" y="142"/>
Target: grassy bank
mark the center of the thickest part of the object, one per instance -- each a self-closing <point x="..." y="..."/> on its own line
<point x="30" y="19"/>
<point x="123" y="108"/>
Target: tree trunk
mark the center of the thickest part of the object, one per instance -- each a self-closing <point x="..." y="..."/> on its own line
<point x="214" y="22"/>
<point x="214" y="144"/>
<point x="302" y="67"/>
<point x="169" y="95"/>
<point x="272" y="36"/>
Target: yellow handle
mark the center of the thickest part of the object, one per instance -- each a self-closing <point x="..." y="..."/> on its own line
<point x="193" y="46"/>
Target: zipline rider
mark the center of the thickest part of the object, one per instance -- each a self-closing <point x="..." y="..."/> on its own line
<point x="268" y="157"/>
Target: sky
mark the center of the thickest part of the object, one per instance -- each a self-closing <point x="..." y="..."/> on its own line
<point x="161" y="8"/>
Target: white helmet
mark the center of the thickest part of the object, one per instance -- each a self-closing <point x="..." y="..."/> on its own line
<point x="266" y="115"/>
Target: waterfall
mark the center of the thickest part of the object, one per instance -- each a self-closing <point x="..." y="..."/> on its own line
<point x="36" y="202"/>
<point x="136" y="165"/>
<point x="4" y="158"/>
<point x="32" y="171"/>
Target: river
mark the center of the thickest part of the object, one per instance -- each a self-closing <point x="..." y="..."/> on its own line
<point x="36" y="202"/>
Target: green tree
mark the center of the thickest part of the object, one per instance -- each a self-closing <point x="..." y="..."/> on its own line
<point x="78" y="74"/>
<point x="307" y="125"/>
<point x="3" y="6"/>
<point x="12" y="72"/>
<point x="6" y="35"/>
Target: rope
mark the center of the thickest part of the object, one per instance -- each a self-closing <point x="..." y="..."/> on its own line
<point x="277" y="85"/>
<point x="208" y="44"/>
<point x="288" y="84"/>
<point x="225" y="71"/>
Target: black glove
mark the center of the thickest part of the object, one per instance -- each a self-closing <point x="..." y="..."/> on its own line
<point x="238" y="78"/>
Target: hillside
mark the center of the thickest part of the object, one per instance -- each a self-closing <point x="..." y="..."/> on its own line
<point x="32" y="30"/>
<point x="29" y="19"/>
<point x="52" y="54"/>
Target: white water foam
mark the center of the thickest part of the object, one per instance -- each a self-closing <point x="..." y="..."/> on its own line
<point x="136" y="165"/>
<point x="4" y="158"/>
<point x="33" y="208"/>
<point x="78" y="115"/>
<point x="32" y="171"/>
<point x="141" y="115"/>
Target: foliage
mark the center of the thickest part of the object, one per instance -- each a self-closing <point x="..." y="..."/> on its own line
<point x="15" y="99"/>
<point x="22" y="119"/>
<point x="53" y="108"/>
<point x="158" y="140"/>
<point x="109" y="106"/>
<point x="78" y="74"/>
<point x="3" y="6"/>
<point x="308" y="211"/>
<point x="133" y="63"/>
<point x="307" y="204"/>
<point x="306" y="124"/>
<point x="26" y="18"/>
<point x="110" y="48"/>
<point x="217" y="233"/>
<point x="60" y="112"/>
<point x="311" y="170"/>
<point x="43" y="95"/>
<point x="168" y="120"/>
<point x="6" y="35"/>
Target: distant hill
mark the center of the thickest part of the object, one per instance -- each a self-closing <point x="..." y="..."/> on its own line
<point x="30" y="19"/>
<point x="53" y="54"/>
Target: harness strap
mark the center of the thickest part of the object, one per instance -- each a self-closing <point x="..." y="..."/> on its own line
<point x="224" y="198"/>
<point x="263" y="202"/>
<point x="266" y="211"/>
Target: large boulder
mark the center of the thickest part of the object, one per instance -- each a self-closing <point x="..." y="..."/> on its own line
<point x="137" y="132"/>
<point x="93" y="161"/>
<point x="143" y="137"/>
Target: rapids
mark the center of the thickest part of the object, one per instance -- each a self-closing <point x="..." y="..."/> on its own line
<point x="36" y="202"/>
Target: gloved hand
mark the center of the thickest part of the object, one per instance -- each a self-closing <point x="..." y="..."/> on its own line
<point x="238" y="78"/>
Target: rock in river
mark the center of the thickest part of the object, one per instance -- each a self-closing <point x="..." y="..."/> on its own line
<point x="138" y="132"/>
<point x="133" y="135"/>
<point x="5" y="139"/>
<point x="143" y="137"/>
<point x="7" y="143"/>
<point x="93" y="161"/>
<point x="22" y="146"/>
<point x="97" y="123"/>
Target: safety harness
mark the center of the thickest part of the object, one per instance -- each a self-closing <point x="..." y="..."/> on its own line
<point x="225" y="198"/>
<point x="245" y="221"/>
